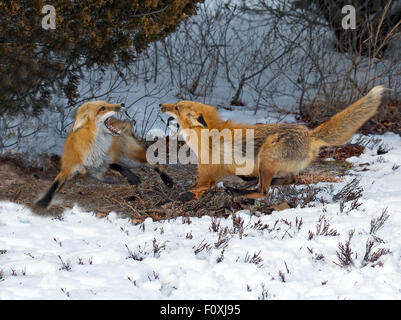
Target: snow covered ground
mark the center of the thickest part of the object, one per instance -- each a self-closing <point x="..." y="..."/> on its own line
<point x="80" y="256"/>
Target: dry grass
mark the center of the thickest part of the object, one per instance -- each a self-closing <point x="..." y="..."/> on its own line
<point x="313" y="178"/>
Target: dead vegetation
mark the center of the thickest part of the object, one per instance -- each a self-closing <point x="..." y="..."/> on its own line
<point x="255" y="259"/>
<point x="323" y="229"/>
<point x="341" y="153"/>
<point x="372" y="255"/>
<point x="345" y="252"/>
<point x="350" y="192"/>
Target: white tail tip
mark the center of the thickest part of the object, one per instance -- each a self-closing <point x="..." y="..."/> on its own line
<point x="378" y="90"/>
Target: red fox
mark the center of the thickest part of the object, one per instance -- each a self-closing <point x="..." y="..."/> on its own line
<point x="278" y="148"/>
<point x="96" y="142"/>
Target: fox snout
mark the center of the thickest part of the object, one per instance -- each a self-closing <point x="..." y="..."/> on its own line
<point x="120" y="107"/>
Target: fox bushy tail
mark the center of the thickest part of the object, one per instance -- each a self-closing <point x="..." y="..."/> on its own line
<point x="344" y="124"/>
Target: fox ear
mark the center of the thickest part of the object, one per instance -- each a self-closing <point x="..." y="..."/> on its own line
<point x="79" y="122"/>
<point x="198" y="122"/>
<point x="202" y="121"/>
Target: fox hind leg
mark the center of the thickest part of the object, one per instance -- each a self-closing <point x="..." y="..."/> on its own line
<point x="266" y="175"/>
<point x="55" y="187"/>
<point x="289" y="178"/>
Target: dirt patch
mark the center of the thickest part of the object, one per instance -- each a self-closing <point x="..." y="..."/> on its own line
<point x="24" y="183"/>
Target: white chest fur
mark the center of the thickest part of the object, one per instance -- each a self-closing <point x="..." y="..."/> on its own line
<point x="98" y="155"/>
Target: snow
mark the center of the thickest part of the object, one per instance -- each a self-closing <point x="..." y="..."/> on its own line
<point x="79" y="256"/>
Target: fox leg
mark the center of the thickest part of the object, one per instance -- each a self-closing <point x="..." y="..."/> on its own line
<point x="57" y="184"/>
<point x="131" y="177"/>
<point x="167" y="180"/>
<point x="266" y="170"/>
<point x="289" y="178"/>
<point x="248" y="178"/>
<point x="195" y="193"/>
<point x="266" y="174"/>
<point x="208" y="176"/>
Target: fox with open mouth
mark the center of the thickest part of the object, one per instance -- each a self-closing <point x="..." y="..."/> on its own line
<point x="97" y="142"/>
<point x="279" y="149"/>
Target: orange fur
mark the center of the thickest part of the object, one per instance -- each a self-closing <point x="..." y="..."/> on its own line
<point x="279" y="148"/>
<point x="91" y="145"/>
<point x="125" y="144"/>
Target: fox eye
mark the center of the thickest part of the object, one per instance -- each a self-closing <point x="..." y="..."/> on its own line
<point x="176" y="107"/>
<point x="102" y="109"/>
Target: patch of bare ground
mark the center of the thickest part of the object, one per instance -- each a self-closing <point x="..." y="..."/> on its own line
<point x="23" y="183"/>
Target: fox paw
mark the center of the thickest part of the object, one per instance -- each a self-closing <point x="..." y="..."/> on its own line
<point x="42" y="203"/>
<point x="133" y="179"/>
<point x="167" y="180"/>
<point x="187" y="196"/>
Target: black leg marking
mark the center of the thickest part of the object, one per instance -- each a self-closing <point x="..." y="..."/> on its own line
<point x="238" y="192"/>
<point x="248" y="178"/>
<point x="244" y="190"/>
<point x="132" y="178"/>
<point x="45" y="200"/>
<point x="287" y="179"/>
<point x="165" y="177"/>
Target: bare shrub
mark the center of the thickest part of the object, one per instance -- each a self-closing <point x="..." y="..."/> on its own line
<point x="157" y="248"/>
<point x="295" y="196"/>
<point x="238" y="225"/>
<point x="134" y="255"/>
<point x="377" y="224"/>
<point x="373" y="256"/>
<point x="281" y="275"/>
<point x="215" y="225"/>
<point x="344" y="254"/>
<point x="223" y="238"/>
<point x="255" y="259"/>
<point x="298" y="223"/>
<point x="202" y="246"/>
<point x="132" y="280"/>
<point x="259" y="225"/>
<point x="350" y="192"/>
<point x="264" y="295"/>
<point x="65" y="265"/>
<point x="322" y="229"/>
<point x="221" y="257"/>
<point x="64" y="290"/>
